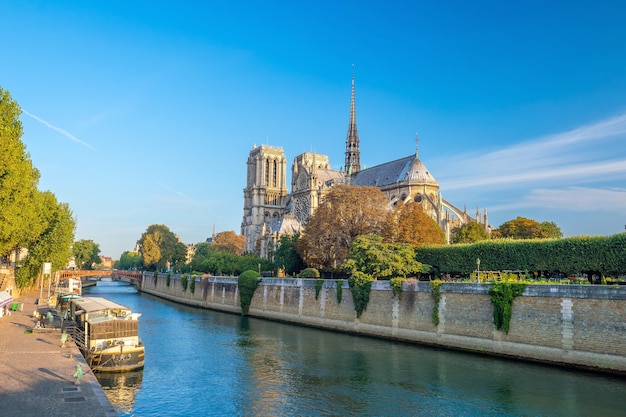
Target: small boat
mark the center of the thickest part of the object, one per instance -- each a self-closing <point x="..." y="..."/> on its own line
<point x="107" y="334"/>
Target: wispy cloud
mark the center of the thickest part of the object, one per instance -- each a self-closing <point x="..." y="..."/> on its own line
<point x="571" y="199"/>
<point x="589" y="153"/>
<point x="58" y="129"/>
<point x="182" y="196"/>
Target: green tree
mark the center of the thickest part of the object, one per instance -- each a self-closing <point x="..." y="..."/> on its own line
<point x="345" y="213"/>
<point x="129" y="261"/>
<point x="20" y="222"/>
<point x="53" y="243"/>
<point x="469" y="233"/>
<point x="86" y="253"/>
<point x="371" y="256"/>
<point x="523" y="228"/>
<point x="157" y="247"/>
<point x="551" y="230"/>
<point x="286" y="255"/>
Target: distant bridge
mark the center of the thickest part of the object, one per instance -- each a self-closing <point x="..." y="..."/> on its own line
<point x="85" y="273"/>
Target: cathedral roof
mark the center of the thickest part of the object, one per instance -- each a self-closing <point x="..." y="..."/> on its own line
<point x="409" y="170"/>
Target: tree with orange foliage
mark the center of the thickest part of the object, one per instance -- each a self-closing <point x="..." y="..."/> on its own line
<point x="345" y="213"/>
<point x="229" y="242"/>
<point x="409" y="224"/>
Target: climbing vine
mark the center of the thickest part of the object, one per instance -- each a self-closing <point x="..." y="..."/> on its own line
<point x="339" y="290"/>
<point x="396" y="286"/>
<point x="360" y="286"/>
<point x="167" y="280"/>
<point x="502" y="296"/>
<point x="192" y="284"/>
<point x="183" y="282"/>
<point x="435" y="293"/>
<point x="319" y="283"/>
<point x="156" y="277"/>
<point x="247" y="282"/>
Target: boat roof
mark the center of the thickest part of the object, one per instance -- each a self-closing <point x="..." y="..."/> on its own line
<point x="89" y="304"/>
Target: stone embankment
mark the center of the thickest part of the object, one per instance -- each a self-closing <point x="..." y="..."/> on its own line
<point x="569" y="325"/>
<point x="37" y="373"/>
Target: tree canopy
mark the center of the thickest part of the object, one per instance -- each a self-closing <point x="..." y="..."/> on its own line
<point x="345" y="213"/>
<point x="408" y="223"/>
<point x="230" y="242"/>
<point x="469" y="233"/>
<point x="286" y="255"/>
<point x="371" y="256"/>
<point x="523" y="228"/>
<point x="29" y="218"/>
<point x="86" y="253"/>
<point x="157" y="247"/>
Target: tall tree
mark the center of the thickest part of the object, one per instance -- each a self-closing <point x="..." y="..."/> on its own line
<point x="86" y="253"/>
<point x="19" y="219"/>
<point x="230" y="242"/>
<point x="53" y="243"/>
<point x="409" y="224"/>
<point x="157" y="247"/>
<point x="469" y="233"/>
<point x="551" y="230"/>
<point x="345" y="213"/>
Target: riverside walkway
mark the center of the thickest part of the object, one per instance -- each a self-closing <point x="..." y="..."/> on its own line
<point x="36" y="372"/>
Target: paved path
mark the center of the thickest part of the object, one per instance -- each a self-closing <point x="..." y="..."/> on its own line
<point x="36" y="373"/>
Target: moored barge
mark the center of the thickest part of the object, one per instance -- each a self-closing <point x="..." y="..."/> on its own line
<point x="107" y="334"/>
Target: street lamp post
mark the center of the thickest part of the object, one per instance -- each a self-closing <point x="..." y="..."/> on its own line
<point x="477" y="269"/>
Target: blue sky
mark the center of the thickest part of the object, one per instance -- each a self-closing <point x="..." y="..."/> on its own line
<point x="144" y="112"/>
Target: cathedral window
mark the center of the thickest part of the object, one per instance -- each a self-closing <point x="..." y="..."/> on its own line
<point x="275" y="172"/>
<point x="267" y="172"/>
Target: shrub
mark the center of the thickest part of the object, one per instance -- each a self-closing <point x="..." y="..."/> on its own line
<point x="183" y="282"/>
<point x="310" y="273"/>
<point x="247" y="282"/>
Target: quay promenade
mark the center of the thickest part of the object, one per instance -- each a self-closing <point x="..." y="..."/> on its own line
<point x="37" y="373"/>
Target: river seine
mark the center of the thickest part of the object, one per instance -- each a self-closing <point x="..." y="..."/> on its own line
<point x="206" y="363"/>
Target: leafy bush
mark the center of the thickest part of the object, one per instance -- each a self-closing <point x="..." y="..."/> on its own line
<point x="310" y="273"/>
<point x="247" y="282"/>
<point x="183" y="282"/>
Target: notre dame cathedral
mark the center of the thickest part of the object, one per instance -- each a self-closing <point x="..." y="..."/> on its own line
<point x="269" y="210"/>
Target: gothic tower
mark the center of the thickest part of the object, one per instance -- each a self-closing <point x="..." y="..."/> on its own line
<point x="353" y="161"/>
<point x="265" y="195"/>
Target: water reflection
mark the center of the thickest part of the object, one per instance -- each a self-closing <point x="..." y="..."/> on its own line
<point x="121" y="388"/>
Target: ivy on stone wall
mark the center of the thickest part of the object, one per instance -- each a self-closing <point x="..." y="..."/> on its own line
<point x="360" y="286"/>
<point x="502" y="296"/>
<point x="319" y="283"/>
<point x="396" y="286"/>
<point x="435" y="293"/>
<point x="156" y="277"/>
<point x="339" y="290"/>
<point x="192" y="284"/>
<point x="167" y="279"/>
<point x="247" y="283"/>
<point x="183" y="282"/>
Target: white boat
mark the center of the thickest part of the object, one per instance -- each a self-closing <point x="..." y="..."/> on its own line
<point x="108" y="334"/>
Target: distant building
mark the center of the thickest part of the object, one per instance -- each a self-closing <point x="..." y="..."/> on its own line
<point x="271" y="211"/>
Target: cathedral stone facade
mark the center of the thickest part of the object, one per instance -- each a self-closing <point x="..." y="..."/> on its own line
<point x="271" y="211"/>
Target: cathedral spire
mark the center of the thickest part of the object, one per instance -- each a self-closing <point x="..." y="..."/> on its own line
<point x="353" y="162"/>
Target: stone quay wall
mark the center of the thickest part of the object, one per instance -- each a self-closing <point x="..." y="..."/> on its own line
<point x="581" y="326"/>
